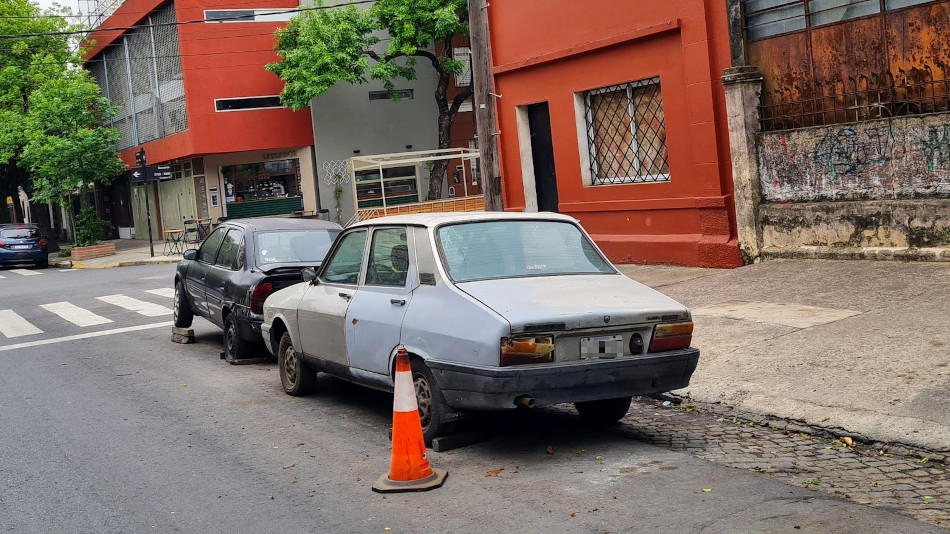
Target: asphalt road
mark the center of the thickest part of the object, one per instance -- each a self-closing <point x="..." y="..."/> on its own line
<point x="129" y="432"/>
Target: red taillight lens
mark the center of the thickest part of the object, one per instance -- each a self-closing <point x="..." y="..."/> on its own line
<point x="671" y="336"/>
<point x="259" y="295"/>
<point x="1" y="244"/>
<point x="42" y="242"/>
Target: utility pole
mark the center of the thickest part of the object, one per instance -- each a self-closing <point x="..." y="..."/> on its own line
<point x="484" y="85"/>
<point x="147" y="185"/>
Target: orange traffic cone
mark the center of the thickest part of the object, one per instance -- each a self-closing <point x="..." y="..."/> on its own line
<point x="409" y="468"/>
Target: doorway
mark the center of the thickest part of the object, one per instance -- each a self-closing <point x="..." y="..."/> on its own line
<point x="542" y="156"/>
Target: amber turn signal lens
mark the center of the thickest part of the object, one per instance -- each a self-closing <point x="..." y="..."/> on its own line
<point x="522" y="350"/>
<point x="671" y="336"/>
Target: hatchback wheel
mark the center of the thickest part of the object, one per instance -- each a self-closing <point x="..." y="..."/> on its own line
<point x="235" y="347"/>
<point x="432" y="407"/>
<point x="603" y="412"/>
<point x="296" y="377"/>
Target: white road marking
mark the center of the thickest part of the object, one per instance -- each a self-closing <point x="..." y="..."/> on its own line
<point x="12" y="325"/>
<point x="1" y="276"/>
<point x="25" y="272"/>
<point x="83" y="336"/>
<point x="74" y="314"/>
<point x="163" y="292"/>
<point x="138" y="306"/>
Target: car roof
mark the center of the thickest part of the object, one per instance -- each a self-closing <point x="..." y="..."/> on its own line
<point x="283" y="223"/>
<point x="432" y="220"/>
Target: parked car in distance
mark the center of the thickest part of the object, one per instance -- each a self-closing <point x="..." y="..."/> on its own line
<point x="497" y="311"/>
<point x="239" y="264"/>
<point x="23" y="243"/>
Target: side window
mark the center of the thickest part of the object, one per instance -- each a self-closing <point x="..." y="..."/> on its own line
<point x="388" y="258"/>
<point x="209" y="249"/>
<point x="344" y="266"/>
<point x="232" y="251"/>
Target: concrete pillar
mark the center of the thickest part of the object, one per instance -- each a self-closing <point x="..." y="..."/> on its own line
<point x="743" y="87"/>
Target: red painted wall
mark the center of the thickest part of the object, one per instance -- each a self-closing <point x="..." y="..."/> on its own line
<point x="548" y="50"/>
<point x="222" y="60"/>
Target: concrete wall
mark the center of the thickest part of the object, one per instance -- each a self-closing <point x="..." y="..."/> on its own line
<point x="890" y="159"/>
<point x="345" y="120"/>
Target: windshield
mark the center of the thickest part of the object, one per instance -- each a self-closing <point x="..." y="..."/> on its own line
<point x="505" y="249"/>
<point x="19" y="233"/>
<point x="293" y="246"/>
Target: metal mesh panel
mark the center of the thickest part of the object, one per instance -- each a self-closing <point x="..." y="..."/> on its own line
<point x="626" y="133"/>
<point x="171" y="88"/>
<point x="143" y="90"/>
<point x="117" y="72"/>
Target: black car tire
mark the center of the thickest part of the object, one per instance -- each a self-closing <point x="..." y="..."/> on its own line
<point x="432" y="406"/>
<point x="603" y="412"/>
<point x="43" y="264"/>
<point x="296" y="376"/>
<point x="235" y="347"/>
<point x="181" y="310"/>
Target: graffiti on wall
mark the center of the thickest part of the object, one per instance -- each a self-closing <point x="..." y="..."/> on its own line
<point x="897" y="158"/>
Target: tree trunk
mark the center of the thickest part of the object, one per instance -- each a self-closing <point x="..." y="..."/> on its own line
<point x="437" y="173"/>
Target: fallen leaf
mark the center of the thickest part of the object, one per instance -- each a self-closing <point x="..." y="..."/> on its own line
<point x="848" y="441"/>
<point x="289" y="466"/>
<point x="598" y="457"/>
<point x="573" y="514"/>
<point x="707" y="490"/>
<point x="387" y="529"/>
<point x="494" y="472"/>
<point x="549" y="450"/>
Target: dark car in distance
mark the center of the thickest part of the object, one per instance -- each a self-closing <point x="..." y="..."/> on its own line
<point x="23" y="243"/>
<point x="238" y="266"/>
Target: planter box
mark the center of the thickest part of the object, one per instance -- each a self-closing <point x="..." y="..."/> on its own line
<point x="95" y="251"/>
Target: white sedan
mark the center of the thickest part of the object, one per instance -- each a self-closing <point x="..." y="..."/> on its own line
<point x="497" y="310"/>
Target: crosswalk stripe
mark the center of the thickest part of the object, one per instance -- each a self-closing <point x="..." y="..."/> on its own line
<point x="163" y="292"/>
<point x="74" y="314"/>
<point x="12" y="325"/>
<point x="25" y="272"/>
<point x="138" y="306"/>
<point x="1" y="276"/>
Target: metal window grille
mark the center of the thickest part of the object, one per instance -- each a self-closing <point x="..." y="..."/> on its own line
<point x="626" y="133"/>
<point x="463" y="53"/>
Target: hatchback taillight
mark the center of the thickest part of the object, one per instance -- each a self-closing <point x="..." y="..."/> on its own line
<point x="671" y="336"/>
<point x="42" y="242"/>
<point x="259" y="295"/>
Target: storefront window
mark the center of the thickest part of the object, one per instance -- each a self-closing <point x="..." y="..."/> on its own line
<point x="261" y="181"/>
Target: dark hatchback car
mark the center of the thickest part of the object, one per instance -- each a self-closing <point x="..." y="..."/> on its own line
<point x="23" y="243"/>
<point x="238" y="266"/>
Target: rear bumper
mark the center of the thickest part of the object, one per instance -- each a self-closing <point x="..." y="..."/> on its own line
<point x="491" y="388"/>
<point x="23" y="256"/>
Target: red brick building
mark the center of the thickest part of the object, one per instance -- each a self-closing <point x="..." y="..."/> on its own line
<point x="614" y="113"/>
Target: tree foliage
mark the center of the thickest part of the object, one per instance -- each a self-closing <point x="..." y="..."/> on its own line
<point x="328" y="45"/>
<point x="51" y="112"/>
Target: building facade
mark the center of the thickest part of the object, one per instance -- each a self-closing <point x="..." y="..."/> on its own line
<point x="847" y="153"/>
<point x="615" y="115"/>
<point x="188" y="78"/>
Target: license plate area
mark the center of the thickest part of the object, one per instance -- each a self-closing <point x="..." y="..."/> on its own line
<point x="601" y="347"/>
<point x="21" y="247"/>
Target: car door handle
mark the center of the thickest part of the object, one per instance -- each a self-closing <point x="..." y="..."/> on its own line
<point x="398" y="302"/>
<point x="345" y="296"/>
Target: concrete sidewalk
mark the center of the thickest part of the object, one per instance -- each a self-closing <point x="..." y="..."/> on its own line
<point x="857" y="348"/>
<point x="127" y="252"/>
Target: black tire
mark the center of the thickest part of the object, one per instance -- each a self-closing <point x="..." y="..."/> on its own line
<point x="432" y="406"/>
<point x="235" y="347"/>
<point x="296" y="376"/>
<point x="181" y="309"/>
<point x="603" y="412"/>
<point x="43" y="264"/>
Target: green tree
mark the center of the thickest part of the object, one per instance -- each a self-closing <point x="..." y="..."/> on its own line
<point x="51" y="112"/>
<point x="320" y="48"/>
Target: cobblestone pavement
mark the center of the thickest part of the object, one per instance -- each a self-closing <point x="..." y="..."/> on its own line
<point x="909" y="485"/>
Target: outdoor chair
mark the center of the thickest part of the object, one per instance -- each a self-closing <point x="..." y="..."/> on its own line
<point x="191" y="232"/>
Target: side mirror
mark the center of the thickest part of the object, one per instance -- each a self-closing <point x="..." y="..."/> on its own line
<point x="190" y="254"/>
<point x="308" y="274"/>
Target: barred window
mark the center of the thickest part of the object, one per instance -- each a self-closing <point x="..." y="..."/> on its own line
<point x="626" y="133"/>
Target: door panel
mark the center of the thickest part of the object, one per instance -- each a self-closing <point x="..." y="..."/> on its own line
<point x="375" y="315"/>
<point x="219" y="276"/>
<point x="197" y="277"/>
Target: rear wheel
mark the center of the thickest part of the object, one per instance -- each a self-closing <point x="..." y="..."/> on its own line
<point x="43" y="264"/>
<point x="296" y="377"/>
<point x="235" y="347"/>
<point x="432" y="407"/>
<point x="603" y="412"/>
<point x="181" y="310"/>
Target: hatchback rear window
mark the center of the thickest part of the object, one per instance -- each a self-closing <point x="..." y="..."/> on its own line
<point x="506" y="249"/>
<point x="293" y="246"/>
<point x="19" y="233"/>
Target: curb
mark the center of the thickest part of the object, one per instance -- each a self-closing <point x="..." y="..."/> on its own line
<point x="68" y="264"/>
<point x="935" y="254"/>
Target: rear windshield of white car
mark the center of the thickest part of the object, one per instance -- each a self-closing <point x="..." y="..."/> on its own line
<point x="293" y="246"/>
<point x="506" y="249"/>
<point x="19" y="233"/>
